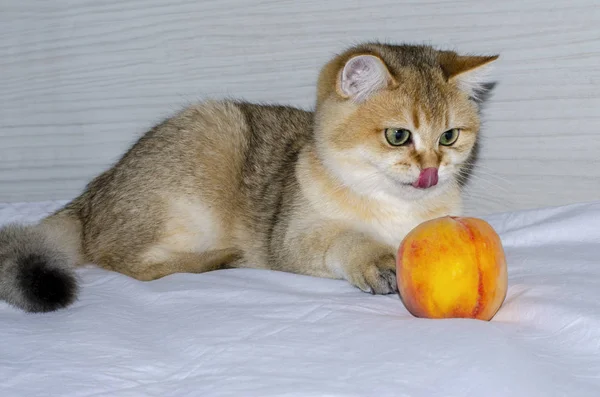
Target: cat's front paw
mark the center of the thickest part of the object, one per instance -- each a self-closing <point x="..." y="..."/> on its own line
<point x="377" y="276"/>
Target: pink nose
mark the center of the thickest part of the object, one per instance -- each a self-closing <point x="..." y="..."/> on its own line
<point x="427" y="179"/>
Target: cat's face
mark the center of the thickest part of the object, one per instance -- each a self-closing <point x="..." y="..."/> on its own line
<point x="408" y="135"/>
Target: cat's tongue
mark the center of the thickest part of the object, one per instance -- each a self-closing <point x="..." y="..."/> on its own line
<point x="427" y="179"/>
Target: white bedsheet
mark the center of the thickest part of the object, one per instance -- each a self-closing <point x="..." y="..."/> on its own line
<point x="260" y="333"/>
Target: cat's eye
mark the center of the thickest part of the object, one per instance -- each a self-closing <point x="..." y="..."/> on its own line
<point x="449" y="137"/>
<point x="397" y="136"/>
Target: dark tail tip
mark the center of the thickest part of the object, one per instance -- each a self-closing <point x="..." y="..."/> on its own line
<point x="45" y="287"/>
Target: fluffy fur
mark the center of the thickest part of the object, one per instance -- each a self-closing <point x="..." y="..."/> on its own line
<point x="230" y="184"/>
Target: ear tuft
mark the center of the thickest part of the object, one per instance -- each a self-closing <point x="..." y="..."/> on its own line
<point x="362" y="76"/>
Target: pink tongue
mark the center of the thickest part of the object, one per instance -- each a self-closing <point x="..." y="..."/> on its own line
<point x="428" y="178"/>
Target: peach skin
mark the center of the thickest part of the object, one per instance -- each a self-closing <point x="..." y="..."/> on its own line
<point x="452" y="267"/>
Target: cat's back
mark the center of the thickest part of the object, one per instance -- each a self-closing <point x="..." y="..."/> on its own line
<point x="215" y="139"/>
<point x="222" y="151"/>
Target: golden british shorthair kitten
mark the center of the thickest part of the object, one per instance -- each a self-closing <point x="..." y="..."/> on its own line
<point x="227" y="184"/>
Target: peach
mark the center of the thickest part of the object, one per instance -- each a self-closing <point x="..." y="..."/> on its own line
<point x="452" y="267"/>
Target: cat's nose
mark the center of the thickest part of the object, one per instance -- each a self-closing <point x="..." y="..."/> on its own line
<point x="427" y="178"/>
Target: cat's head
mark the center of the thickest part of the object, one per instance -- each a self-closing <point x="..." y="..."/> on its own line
<point x="401" y="120"/>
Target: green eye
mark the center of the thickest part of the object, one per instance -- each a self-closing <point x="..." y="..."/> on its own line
<point x="449" y="137"/>
<point x="397" y="136"/>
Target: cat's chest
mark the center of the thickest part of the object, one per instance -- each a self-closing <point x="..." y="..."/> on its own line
<point x="390" y="221"/>
<point x="391" y="226"/>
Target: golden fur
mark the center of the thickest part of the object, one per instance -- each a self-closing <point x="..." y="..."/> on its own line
<point x="230" y="184"/>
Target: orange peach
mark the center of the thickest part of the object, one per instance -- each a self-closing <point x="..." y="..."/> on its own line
<point x="452" y="267"/>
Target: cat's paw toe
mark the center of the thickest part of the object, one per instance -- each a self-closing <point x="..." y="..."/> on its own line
<point x="377" y="277"/>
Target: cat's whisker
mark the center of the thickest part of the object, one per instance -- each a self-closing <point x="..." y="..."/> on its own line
<point x="485" y="175"/>
<point x="490" y="174"/>
<point x="483" y="170"/>
<point x="482" y="200"/>
<point x="464" y="177"/>
<point x="484" y="178"/>
<point x="485" y="195"/>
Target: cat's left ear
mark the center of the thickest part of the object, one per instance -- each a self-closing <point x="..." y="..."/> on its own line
<point x="469" y="72"/>
<point x="362" y="76"/>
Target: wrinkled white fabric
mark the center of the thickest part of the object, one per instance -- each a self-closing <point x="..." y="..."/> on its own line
<point x="263" y="333"/>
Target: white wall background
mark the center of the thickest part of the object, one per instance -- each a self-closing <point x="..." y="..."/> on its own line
<point x="81" y="79"/>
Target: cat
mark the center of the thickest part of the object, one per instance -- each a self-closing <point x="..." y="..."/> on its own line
<point x="227" y="184"/>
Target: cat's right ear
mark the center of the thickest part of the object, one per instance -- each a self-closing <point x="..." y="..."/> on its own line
<point x="362" y="76"/>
